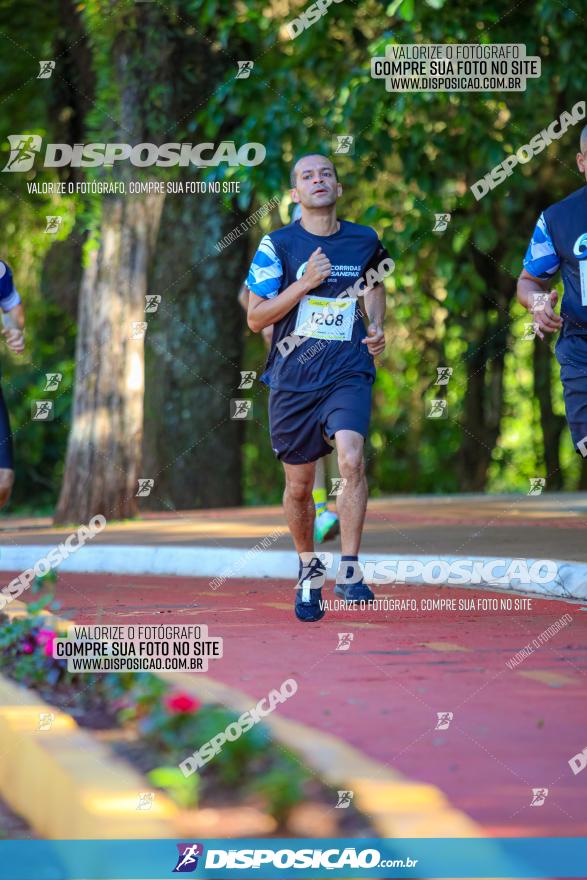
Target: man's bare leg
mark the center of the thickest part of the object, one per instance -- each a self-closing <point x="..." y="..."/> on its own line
<point x="298" y="504"/>
<point x="6" y="483"/>
<point x="299" y="511"/>
<point x="351" y="503"/>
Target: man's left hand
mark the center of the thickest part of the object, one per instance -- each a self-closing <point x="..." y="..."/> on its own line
<point x="375" y="339"/>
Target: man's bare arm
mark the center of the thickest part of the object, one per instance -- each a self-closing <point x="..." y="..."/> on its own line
<point x="14" y="328"/>
<point x="263" y="312"/>
<point x="375" y="308"/>
<point x="375" y="303"/>
<point x="529" y="285"/>
<point x="545" y="317"/>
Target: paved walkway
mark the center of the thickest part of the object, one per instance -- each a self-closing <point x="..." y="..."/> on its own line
<point x="548" y="526"/>
<point x="513" y="729"/>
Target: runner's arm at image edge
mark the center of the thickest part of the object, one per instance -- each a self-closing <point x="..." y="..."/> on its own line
<point x="13" y="331"/>
<point x="541" y="264"/>
<point x="528" y="285"/>
<point x="12" y="310"/>
<point x="545" y="318"/>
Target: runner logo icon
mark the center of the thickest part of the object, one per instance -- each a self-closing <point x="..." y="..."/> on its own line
<point x="23" y="148"/>
<point x="187" y="861"/>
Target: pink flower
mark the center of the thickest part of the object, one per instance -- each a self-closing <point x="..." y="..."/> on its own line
<point x="181" y="703"/>
<point x="46" y="637"/>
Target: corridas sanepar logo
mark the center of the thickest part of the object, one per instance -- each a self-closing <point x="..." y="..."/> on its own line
<point x="24" y="148"/>
<point x="187" y="860"/>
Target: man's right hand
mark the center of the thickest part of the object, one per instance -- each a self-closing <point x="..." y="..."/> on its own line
<point x="317" y="269"/>
<point x="545" y="317"/>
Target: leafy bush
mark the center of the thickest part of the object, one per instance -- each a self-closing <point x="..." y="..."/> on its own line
<point x="169" y="724"/>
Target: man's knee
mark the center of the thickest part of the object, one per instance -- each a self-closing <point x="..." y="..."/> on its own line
<point x="350" y="461"/>
<point x="299" y="489"/>
<point x="6" y="483"/>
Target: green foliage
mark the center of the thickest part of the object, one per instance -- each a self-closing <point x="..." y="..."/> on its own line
<point x="39" y="446"/>
<point x="282" y="787"/>
<point x="415" y="155"/>
<point x="184" y="791"/>
<point x="25" y="642"/>
<point x="168" y="726"/>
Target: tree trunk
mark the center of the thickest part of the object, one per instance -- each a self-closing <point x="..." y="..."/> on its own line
<point x="483" y="402"/>
<point x="482" y="410"/>
<point x="62" y="273"/>
<point x="192" y="448"/>
<point x="102" y="463"/>
<point x="104" y="447"/>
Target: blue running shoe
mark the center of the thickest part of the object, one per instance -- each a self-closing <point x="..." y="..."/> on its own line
<point x="357" y="592"/>
<point x="308" y="605"/>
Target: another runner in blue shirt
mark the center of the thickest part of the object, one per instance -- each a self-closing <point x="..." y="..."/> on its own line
<point x="304" y="280"/>
<point x="13" y="332"/>
<point x="559" y="243"/>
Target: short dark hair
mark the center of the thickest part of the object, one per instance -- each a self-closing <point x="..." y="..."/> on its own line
<point x="583" y="140"/>
<point x="292" y="173"/>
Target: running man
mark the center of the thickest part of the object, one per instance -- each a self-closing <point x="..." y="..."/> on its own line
<point x="326" y="525"/>
<point x="320" y="368"/>
<point x="13" y="332"/>
<point x="559" y="242"/>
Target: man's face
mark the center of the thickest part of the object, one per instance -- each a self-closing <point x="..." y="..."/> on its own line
<point x="316" y="185"/>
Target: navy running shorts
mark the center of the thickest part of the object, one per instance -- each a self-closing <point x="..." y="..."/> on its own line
<point x="298" y="420"/>
<point x="6" y="460"/>
<point x="571" y="353"/>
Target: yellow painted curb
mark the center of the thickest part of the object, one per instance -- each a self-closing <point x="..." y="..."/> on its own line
<point x="64" y="783"/>
<point x="397" y="806"/>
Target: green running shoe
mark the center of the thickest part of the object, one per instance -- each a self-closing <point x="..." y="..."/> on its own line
<point x="326" y="526"/>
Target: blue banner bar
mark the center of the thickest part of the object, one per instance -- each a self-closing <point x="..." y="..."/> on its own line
<point x="225" y="859"/>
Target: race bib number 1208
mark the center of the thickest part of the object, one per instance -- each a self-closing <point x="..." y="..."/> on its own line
<point x="325" y="318"/>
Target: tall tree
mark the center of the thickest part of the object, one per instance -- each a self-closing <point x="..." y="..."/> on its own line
<point x="194" y="345"/>
<point x="192" y="447"/>
<point x="131" y="51"/>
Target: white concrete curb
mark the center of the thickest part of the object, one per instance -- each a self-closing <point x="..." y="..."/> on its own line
<point x="222" y="563"/>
